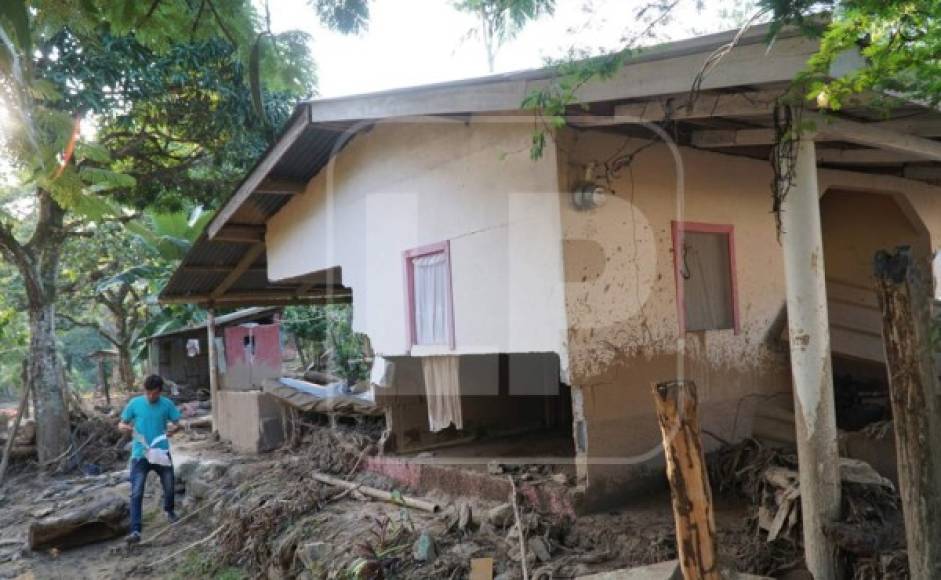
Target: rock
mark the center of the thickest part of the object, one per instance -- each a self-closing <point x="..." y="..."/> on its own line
<point x="540" y="548"/>
<point x="501" y="516"/>
<point x="312" y="554"/>
<point x="465" y="518"/>
<point x="560" y="478"/>
<point x="424" y="548"/>
<point x="465" y="550"/>
<point x="494" y="468"/>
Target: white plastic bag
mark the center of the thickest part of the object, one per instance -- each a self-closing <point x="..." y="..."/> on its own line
<point x="155" y="455"/>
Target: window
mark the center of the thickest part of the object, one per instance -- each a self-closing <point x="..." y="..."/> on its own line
<point x="706" y="293"/>
<point x="430" y="310"/>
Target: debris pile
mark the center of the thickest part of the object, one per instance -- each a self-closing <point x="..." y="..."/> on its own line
<point x="870" y="536"/>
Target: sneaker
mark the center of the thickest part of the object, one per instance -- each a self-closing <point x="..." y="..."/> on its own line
<point x="133" y="538"/>
<point x="172" y="517"/>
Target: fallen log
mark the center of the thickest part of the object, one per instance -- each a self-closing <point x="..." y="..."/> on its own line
<point x="383" y="495"/>
<point x="101" y="518"/>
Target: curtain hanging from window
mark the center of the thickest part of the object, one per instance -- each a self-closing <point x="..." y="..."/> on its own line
<point x="431" y="299"/>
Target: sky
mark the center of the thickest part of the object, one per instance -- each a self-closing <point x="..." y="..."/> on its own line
<point x="412" y="42"/>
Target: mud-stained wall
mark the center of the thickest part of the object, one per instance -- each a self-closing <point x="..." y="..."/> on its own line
<point x="622" y="311"/>
<point x="404" y="184"/>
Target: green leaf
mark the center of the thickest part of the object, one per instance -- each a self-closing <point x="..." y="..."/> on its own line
<point x="103" y="179"/>
<point x="91" y="152"/>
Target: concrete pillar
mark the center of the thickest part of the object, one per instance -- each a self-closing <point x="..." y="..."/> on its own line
<point x="213" y="367"/>
<point x="811" y="369"/>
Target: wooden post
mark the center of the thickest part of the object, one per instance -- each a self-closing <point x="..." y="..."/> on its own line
<point x="811" y="369"/>
<point x="689" y="480"/>
<point x="213" y="368"/>
<point x="8" y="449"/>
<point x="103" y="379"/>
<point x="904" y="294"/>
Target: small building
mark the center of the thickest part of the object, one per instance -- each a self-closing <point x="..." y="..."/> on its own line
<point x="539" y="300"/>
<point x="248" y="346"/>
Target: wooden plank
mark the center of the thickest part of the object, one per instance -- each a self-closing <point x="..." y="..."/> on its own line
<point x="731" y="138"/>
<point x="260" y="172"/>
<point x="241" y="233"/>
<point x="281" y="187"/>
<point x="244" y="263"/>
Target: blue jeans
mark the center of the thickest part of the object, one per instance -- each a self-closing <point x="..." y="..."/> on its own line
<point x="140" y="467"/>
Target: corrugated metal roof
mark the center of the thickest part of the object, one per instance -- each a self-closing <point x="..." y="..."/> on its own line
<point x="243" y="315"/>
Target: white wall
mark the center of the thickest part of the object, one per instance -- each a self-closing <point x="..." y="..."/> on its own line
<point x="403" y="184"/>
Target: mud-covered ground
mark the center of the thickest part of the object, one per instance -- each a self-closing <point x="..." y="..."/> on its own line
<point x="265" y="517"/>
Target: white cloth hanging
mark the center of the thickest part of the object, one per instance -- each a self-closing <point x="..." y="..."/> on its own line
<point x="431" y="299"/>
<point x="443" y="391"/>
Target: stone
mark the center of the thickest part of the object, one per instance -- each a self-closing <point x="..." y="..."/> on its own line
<point x="540" y="548"/>
<point x="501" y="516"/>
<point x="465" y="517"/>
<point x="424" y="548"/>
<point x="494" y="468"/>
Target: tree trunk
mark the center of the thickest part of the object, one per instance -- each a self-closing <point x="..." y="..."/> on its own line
<point x="52" y="418"/>
<point x="904" y="293"/>
<point x="126" y="367"/>
<point x="689" y="480"/>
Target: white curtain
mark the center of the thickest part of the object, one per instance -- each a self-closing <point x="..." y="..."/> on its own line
<point x="443" y="392"/>
<point x="431" y="299"/>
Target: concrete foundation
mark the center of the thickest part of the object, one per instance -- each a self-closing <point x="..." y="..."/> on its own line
<point x="250" y="420"/>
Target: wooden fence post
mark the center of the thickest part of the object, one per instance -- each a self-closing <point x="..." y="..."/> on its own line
<point x="689" y="481"/>
<point x="905" y="292"/>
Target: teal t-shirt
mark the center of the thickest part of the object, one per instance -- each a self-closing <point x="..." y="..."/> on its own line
<point x="150" y="420"/>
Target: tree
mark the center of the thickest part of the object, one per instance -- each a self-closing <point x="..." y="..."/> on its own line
<point x="165" y="83"/>
<point x="899" y="41"/>
<point x="501" y="20"/>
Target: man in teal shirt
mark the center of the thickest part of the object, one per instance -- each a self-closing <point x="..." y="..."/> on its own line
<point x="146" y="416"/>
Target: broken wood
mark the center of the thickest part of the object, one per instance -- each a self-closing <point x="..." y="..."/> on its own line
<point x="689" y="480"/>
<point x="904" y="292"/>
<point x="519" y="527"/>
<point x="101" y="518"/>
<point x="380" y="494"/>
<point x="11" y="436"/>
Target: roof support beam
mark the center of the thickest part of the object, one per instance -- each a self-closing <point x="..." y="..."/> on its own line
<point x="676" y="108"/>
<point x="864" y="157"/>
<point x="281" y="187"/>
<point x="873" y="135"/>
<point x="260" y="172"/>
<point x="321" y="296"/>
<point x="828" y="128"/>
<point x="217" y="269"/>
<point x="247" y="260"/>
<point x="241" y="233"/>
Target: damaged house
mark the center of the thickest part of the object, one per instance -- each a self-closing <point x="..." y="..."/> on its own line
<point x="523" y="308"/>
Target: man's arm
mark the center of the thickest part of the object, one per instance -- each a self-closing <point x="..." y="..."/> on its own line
<point x="126" y="417"/>
<point x="173" y="418"/>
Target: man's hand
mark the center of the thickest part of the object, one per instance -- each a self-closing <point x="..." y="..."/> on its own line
<point x="174" y="427"/>
<point x="126" y="427"/>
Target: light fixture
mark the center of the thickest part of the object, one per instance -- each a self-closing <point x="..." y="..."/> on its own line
<point x="589" y="194"/>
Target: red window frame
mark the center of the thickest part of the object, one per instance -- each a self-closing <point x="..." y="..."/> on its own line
<point x="407" y="257"/>
<point x="678" y="231"/>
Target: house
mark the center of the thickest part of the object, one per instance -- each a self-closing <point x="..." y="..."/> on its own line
<point x="534" y="302"/>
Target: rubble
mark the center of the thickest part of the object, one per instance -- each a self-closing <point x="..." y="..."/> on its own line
<point x="871" y="529"/>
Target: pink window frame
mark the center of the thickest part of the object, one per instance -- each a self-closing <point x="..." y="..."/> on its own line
<point x="407" y="257"/>
<point x="680" y="228"/>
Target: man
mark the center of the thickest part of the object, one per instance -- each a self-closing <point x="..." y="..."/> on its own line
<point x="146" y="417"/>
